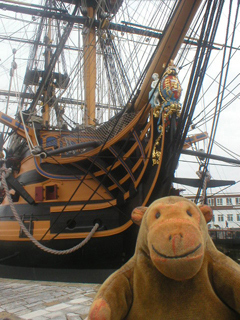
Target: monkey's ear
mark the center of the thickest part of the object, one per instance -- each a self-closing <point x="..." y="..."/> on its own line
<point x="207" y="212"/>
<point x="137" y="214"/>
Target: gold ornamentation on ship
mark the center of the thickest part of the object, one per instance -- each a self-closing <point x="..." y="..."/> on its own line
<point x="164" y="98"/>
<point x="165" y="93"/>
<point x="156" y="153"/>
<point x="157" y="112"/>
<point x="170" y="110"/>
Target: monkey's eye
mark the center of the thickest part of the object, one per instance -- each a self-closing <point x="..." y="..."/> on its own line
<point x="189" y="213"/>
<point x="157" y="215"/>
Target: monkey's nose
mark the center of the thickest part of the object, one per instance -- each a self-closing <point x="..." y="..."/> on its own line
<point x="176" y="240"/>
<point x="178" y="235"/>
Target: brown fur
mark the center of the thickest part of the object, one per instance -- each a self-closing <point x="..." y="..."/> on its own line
<point x="176" y="272"/>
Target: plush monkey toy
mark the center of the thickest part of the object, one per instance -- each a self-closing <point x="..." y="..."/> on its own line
<point x="176" y="272"/>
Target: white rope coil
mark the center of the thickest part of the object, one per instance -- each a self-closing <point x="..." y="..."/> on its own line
<point x="4" y="173"/>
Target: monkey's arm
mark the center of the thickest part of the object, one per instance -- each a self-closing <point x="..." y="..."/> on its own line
<point x="226" y="279"/>
<point x="114" y="298"/>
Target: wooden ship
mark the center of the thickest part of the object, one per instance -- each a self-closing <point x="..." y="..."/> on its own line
<point x="68" y="188"/>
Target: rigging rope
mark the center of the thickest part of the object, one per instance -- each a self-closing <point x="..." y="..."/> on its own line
<point x="208" y="31"/>
<point x="206" y="178"/>
<point x="4" y="173"/>
<point x="209" y="116"/>
<point x="195" y="81"/>
<point x="218" y="106"/>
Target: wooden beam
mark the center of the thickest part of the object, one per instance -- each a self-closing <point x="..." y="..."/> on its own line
<point x="168" y="47"/>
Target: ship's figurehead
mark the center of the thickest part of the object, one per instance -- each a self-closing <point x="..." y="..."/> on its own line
<point x="164" y="99"/>
<point x="176" y="272"/>
<point x="165" y="93"/>
<point x="169" y="87"/>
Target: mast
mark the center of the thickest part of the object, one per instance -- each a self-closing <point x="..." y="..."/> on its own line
<point x="47" y="90"/>
<point x="167" y="50"/>
<point x="169" y="46"/>
<point x="89" y="54"/>
<point x="14" y="67"/>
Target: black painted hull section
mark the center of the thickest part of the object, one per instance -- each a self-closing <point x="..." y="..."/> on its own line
<point x="99" y="253"/>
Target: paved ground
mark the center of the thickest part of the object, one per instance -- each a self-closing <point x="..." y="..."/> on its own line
<point x="41" y="300"/>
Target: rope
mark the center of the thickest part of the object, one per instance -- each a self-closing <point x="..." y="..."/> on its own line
<point x="205" y="182"/>
<point x="4" y="173"/>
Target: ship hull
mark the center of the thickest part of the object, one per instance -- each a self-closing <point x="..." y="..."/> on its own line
<point x="65" y="200"/>
<point x="100" y="253"/>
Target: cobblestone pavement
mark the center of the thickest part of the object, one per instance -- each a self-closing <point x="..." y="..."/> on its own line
<point x="35" y="300"/>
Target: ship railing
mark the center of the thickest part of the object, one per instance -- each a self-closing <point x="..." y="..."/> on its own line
<point x="226" y="233"/>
